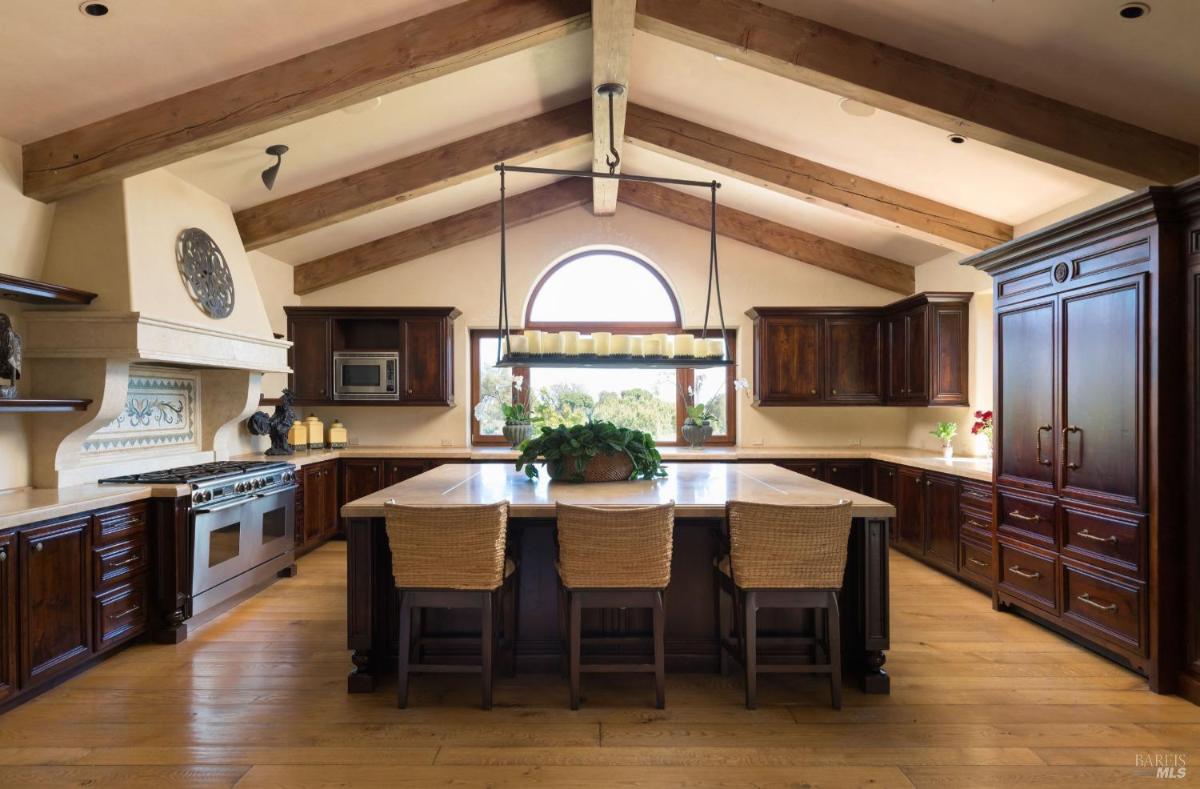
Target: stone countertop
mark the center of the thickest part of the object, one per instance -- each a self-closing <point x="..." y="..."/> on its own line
<point x="24" y="506"/>
<point x="699" y="490"/>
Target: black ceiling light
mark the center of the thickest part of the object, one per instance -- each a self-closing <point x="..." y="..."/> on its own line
<point x="93" y="9"/>
<point x="269" y="174"/>
<point x="1133" y="10"/>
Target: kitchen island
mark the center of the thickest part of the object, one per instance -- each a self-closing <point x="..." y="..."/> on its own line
<point x="699" y="490"/>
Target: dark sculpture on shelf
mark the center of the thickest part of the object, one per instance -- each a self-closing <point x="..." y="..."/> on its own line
<point x="10" y="358"/>
<point x="277" y="425"/>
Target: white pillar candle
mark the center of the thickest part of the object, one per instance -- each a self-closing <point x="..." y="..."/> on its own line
<point x="518" y="344"/>
<point x="602" y="342"/>
<point x="652" y="346"/>
<point x="716" y="347"/>
<point x="551" y="342"/>
<point x="569" y="342"/>
<point x="635" y="345"/>
<point x="587" y="346"/>
<point x="684" y="345"/>
<point x="620" y="345"/>
<point x="662" y="348"/>
<point x="533" y="338"/>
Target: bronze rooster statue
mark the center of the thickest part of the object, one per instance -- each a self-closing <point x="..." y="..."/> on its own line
<point x="10" y="358"/>
<point x="276" y="425"/>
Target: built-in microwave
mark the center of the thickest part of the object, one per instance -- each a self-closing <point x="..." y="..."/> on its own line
<point x="365" y="375"/>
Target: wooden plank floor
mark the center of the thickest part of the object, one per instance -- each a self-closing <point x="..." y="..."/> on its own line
<point x="257" y="698"/>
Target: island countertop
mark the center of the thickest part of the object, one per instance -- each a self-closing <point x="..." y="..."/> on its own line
<point x="699" y="490"/>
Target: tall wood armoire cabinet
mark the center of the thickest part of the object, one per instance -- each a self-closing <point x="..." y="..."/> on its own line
<point x="1188" y="200"/>
<point x="1090" y="454"/>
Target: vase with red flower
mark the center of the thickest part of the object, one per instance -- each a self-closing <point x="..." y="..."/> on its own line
<point x="984" y="423"/>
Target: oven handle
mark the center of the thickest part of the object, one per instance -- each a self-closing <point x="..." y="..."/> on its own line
<point x="227" y="505"/>
<point x="277" y="491"/>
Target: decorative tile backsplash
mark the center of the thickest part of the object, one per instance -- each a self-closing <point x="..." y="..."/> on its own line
<point x="161" y="412"/>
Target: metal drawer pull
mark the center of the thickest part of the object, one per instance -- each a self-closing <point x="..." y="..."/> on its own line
<point x="973" y="560"/>
<point x="126" y="612"/>
<point x="1023" y="517"/>
<point x="130" y="560"/>
<point x="977" y="524"/>
<point x="1016" y="570"/>
<point x="1089" y="536"/>
<point x="1047" y="428"/>
<point x="1086" y="598"/>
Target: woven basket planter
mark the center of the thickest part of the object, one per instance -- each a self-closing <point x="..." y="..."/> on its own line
<point x="601" y="468"/>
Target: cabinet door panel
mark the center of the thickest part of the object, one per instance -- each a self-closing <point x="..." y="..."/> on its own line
<point x="329" y="498"/>
<point x="396" y="471"/>
<point x="910" y="496"/>
<point x="809" y="468"/>
<point x="917" y="345"/>
<point x="792" y="360"/>
<point x="309" y="357"/>
<point x="941" y="520"/>
<point x="949" y="344"/>
<point x="1103" y="446"/>
<point x="885" y="483"/>
<point x="1025" y="411"/>
<point x="848" y="474"/>
<point x="424" y="361"/>
<point x="8" y="615"/>
<point x="853" y="360"/>
<point x="314" y="502"/>
<point x="359" y="478"/>
<point x="55" y="598"/>
<point x="897" y="358"/>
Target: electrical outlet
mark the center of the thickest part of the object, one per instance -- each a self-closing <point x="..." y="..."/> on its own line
<point x="758" y="442"/>
<point x="447" y="442"/>
<point x="857" y="442"/>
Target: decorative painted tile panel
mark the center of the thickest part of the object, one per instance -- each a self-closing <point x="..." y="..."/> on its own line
<point x="162" y="411"/>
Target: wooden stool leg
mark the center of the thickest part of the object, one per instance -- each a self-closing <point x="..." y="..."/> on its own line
<point x="576" y="614"/>
<point x="724" y="604"/>
<point x="564" y="632"/>
<point x="510" y="623"/>
<point x="660" y="665"/>
<point x="750" y="628"/>
<point x="487" y="642"/>
<point x="833" y="620"/>
<point x="403" y="649"/>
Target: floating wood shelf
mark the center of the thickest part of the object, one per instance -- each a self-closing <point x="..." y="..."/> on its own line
<point x="31" y="291"/>
<point x="42" y="406"/>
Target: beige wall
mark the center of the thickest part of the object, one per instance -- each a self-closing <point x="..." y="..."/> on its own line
<point x="24" y="230"/>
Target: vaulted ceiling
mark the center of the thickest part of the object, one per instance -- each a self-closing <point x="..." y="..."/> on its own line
<point x="1058" y="102"/>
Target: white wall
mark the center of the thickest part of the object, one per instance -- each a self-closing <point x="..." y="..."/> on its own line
<point x="24" y="231"/>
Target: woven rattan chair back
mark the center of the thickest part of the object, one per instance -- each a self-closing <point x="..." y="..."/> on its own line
<point x="775" y="546"/>
<point x="615" y="548"/>
<point x="447" y="547"/>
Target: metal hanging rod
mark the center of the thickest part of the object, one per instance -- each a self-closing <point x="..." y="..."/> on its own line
<point x="512" y="168"/>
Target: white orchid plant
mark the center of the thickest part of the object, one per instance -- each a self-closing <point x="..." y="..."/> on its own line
<point x="515" y="413"/>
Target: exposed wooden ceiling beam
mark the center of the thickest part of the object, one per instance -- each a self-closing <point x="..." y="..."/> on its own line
<point x="335" y="76"/>
<point x="809" y="180"/>
<point x="926" y="90"/>
<point x="612" y="47"/>
<point x="772" y="236"/>
<point x="412" y="176"/>
<point x="438" y="235"/>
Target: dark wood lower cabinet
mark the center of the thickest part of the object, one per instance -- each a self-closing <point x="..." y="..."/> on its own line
<point x="316" y="513"/>
<point x="55" y="598"/>
<point x="907" y="527"/>
<point x="8" y="616"/>
<point x="941" y="520"/>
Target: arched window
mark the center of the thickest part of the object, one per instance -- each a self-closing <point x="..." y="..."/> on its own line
<point x="600" y="290"/>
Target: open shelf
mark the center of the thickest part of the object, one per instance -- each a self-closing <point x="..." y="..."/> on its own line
<point x="42" y="406"/>
<point x="31" y="291"/>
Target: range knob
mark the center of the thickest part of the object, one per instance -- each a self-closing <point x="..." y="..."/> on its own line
<point x="208" y="495"/>
<point x="258" y="484"/>
<point x="241" y="487"/>
<point x="197" y="497"/>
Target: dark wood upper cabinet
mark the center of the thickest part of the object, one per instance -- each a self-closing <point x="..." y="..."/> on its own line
<point x="1026" y="441"/>
<point x="8" y="616"/>
<point x="54" y="562"/>
<point x="853" y="360"/>
<point x="422" y="336"/>
<point x="913" y="352"/>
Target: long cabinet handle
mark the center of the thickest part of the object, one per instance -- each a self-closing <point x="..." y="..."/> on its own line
<point x="1086" y="598"/>
<point x="1087" y="535"/>
<point x="1023" y="517"/>
<point x="977" y="524"/>
<point x="973" y="560"/>
<point x="1040" y="430"/>
<point x="1066" y="432"/>
<point x="130" y="560"/>
<point x="126" y="612"/>
<point x="1016" y="570"/>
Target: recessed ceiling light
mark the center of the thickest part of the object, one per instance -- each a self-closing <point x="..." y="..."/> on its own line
<point x="720" y="58"/>
<point x="363" y="106"/>
<point x="957" y="139"/>
<point x="1133" y="10"/>
<point x="93" y="9"/>
<point x="856" y="108"/>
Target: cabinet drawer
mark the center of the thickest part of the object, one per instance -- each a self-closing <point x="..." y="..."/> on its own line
<point x="115" y="563"/>
<point x="975" y="524"/>
<point x="1102" y="537"/>
<point x="975" y="494"/>
<point x="1029" y="576"/>
<point x="119" y="523"/>
<point x="120" y="614"/>
<point x="809" y="468"/>
<point x="1027" y="517"/>
<point x="975" y="562"/>
<point x="1106" y="608"/>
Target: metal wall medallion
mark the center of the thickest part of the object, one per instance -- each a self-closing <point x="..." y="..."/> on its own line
<point x="204" y="272"/>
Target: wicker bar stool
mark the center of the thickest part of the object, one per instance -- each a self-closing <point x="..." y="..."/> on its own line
<point x="783" y="556"/>
<point x="614" y="558"/>
<point x="452" y="557"/>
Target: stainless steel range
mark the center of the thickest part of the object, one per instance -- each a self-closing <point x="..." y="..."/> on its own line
<point x="243" y="523"/>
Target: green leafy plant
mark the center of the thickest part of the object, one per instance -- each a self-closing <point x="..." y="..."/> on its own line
<point x="700" y="414"/>
<point x="566" y="450"/>
<point x="945" y="431"/>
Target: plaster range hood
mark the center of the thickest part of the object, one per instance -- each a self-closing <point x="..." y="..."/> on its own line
<point x="118" y="241"/>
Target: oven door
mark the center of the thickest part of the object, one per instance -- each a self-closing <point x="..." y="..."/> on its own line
<point x="223" y="542"/>
<point x="275" y="524"/>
